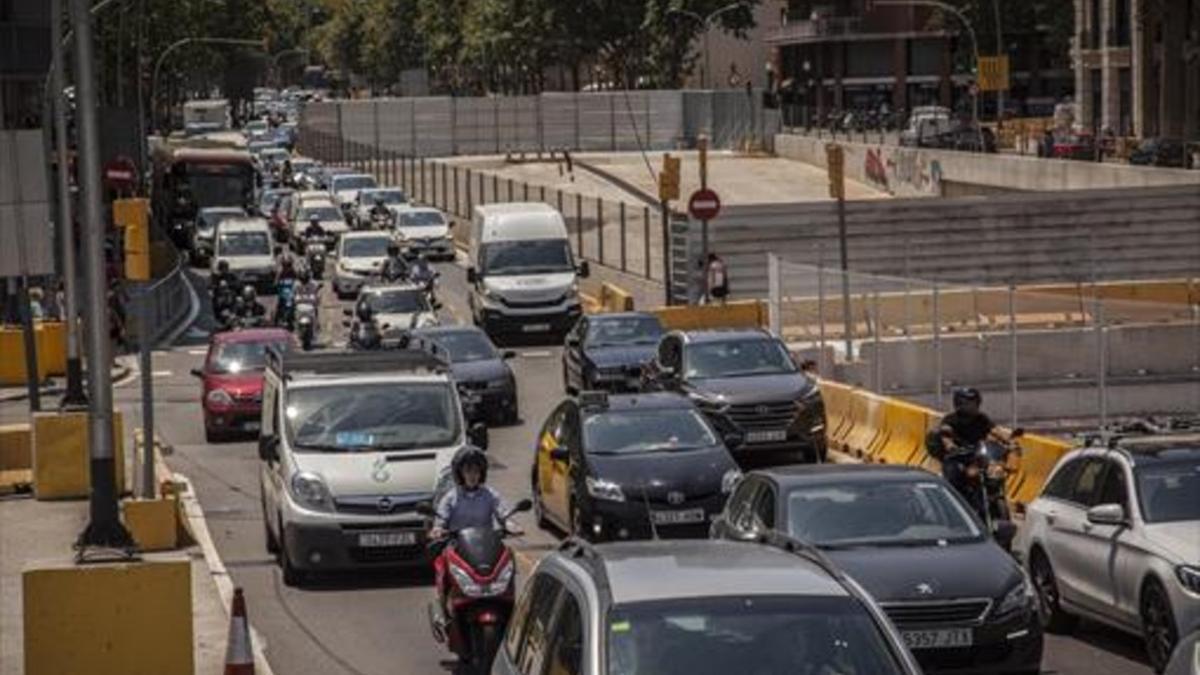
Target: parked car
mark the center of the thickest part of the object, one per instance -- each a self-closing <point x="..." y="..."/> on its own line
<point x="1169" y="152"/>
<point x="608" y="351"/>
<point x="1115" y="537"/>
<point x="232" y="377"/>
<point x="696" y="607"/>
<point x="961" y="604"/>
<point x="746" y="382"/>
<point x="478" y="366"/>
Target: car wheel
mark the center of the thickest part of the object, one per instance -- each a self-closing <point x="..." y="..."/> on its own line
<point x="292" y="577"/>
<point x="1053" y="617"/>
<point x="1158" y="625"/>
<point x="578" y="526"/>
<point x="212" y="436"/>
<point x="571" y="391"/>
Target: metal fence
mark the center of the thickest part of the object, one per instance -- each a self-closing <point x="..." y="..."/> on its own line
<point x="1084" y="351"/>
<point x="169" y="298"/>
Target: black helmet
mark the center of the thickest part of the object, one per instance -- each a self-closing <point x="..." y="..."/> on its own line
<point x="249" y="294"/>
<point x="378" y="201"/>
<point x="393" y="249"/>
<point x="965" y="395"/>
<point x="314" y="219"/>
<point x="223" y="266"/>
<point x="365" y="311"/>
<point x="410" y="254"/>
<point x="470" y="456"/>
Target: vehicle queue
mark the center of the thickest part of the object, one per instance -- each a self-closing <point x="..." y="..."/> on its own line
<point x="807" y="567"/>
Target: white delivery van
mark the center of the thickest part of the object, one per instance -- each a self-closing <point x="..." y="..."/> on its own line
<point x="522" y="274"/>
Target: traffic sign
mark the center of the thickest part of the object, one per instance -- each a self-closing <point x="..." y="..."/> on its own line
<point x="704" y="204"/>
<point x="120" y="174"/>
<point x="993" y="73"/>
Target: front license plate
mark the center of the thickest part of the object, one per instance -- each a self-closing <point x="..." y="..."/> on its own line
<point x="251" y="426"/>
<point x="774" y="436"/>
<point x="382" y="539"/>
<point x="536" y="327"/>
<point x="678" y="517"/>
<point x="938" y="639"/>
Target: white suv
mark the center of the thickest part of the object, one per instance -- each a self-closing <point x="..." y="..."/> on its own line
<point x="350" y="443"/>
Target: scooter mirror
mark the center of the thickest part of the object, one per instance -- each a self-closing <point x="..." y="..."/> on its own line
<point x="522" y="506"/>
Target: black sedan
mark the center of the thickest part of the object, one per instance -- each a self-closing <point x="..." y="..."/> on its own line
<point x="607" y="351"/>
<point x="630" y="466"/>
<point x="478" y="367"/>
<point x="961" y="603"/>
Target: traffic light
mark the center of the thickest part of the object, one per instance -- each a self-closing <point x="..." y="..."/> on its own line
<point x="668" y="179"/>
<point x="133" y="217"/>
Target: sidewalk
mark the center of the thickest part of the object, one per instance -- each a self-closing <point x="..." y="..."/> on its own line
<point x="54" y="387"/>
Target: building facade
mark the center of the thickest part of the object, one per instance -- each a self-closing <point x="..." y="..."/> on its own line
<point x="1137" y="67"/>
<point x="24" y="61"/>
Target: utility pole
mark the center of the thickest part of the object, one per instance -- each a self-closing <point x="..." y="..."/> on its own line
<point x="835" y="163"/>
<point x="104" y="529"/>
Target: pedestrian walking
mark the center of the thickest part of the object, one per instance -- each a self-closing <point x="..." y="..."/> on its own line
<point x="716" y="279"/>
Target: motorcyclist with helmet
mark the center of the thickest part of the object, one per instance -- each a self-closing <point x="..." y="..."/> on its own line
<point x="285" y="287"/>
<point x="380" y="210"/>
<point x="470" y="502"/>
<point x="222" y="274"/>
<point x="314" y="228"/>
<point x="366" y="333"/>
<point x="248" y="307"/>
<point x="957" y="434"/>
<point x="394" y="268"/>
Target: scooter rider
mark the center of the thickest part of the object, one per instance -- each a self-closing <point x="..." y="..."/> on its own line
<point x="248" y="306"/>
<point x="222" y="274"/>
<point x="964" y="428"/>
<point x="469" y="503"/>
<point x="314" y="228"/>
<point x="394" y="268"/>
<point x="380" y="210"/>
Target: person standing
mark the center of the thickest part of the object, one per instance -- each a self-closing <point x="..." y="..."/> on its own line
<point x="716" y="277"/>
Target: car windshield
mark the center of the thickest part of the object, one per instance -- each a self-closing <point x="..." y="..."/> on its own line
<point x="466" y="346"/>
<point x="529" y="256"/>
<point x="323" y="213"/>
<point x="628" y="432"/>
<point x="737" y="358"/>
<point x="398" y="302"/>
<point x="244" y="243"/>
<point x="210" y="219"/>
<point x="641" y="330"/>
<point x="352" y="183"/>
<point x="365" y="247"/>
<point x="891" y="513"/>
<point x="231" y="358"/>
<point x="756" y="635"/>
<point x="386" y="196"/>
<point x="1169" y="491"/>
<point x="421" y="219"/>
<point x="368" y="417"/>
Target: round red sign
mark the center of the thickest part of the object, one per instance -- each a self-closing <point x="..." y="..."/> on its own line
<point x="120" y="173"/>
<point x="704" y="204"/>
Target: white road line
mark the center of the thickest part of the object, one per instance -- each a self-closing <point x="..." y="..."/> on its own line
<point x="197" y="352"/>
<point x="536" y="355"/>
<point x="161" y="373"/>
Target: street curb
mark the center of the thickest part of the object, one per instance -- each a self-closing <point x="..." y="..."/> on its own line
<point x="216" y="567"/>
<point x="193" y="312"/>
<point x="120" y="373"/>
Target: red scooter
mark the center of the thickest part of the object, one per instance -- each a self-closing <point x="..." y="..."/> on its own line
<point x="475" y="574"/>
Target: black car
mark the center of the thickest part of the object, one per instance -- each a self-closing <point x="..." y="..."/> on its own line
<point x="961" y="603"/>
<point x="630" y="466"/>
<point x="607" y="351"/>
<point x="478" y="367"/>
<point x="747" y="383"/>
<point x="1168" y="152"/>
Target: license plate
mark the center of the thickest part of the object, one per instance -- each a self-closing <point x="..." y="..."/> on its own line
<point x="678" y="517"/>
<point x="767" y="436"/>
<point x="251" y="426"/>
<point x="536" y="327"/>
<point x="383" y="539"/>
<point x="938" y="639"/>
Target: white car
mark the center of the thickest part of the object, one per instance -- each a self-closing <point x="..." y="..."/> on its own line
<point x="245" y="243"/>
<point x="328" y="215"/>
<point x="425" y="230"/>
<point x="1115" y="537"/>
<point x="393" y="198"/>
<point x="399" y="307"/>
<point x="349" y="444"/>
<point x="343" y="188"/>
<point x="360" y="256"/>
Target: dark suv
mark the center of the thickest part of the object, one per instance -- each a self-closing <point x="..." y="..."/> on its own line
<point x="747" y="384"/>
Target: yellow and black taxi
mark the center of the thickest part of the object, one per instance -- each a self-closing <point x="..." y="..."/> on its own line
<point x="631" y="466"/>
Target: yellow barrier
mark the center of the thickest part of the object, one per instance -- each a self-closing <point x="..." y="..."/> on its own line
<point x="868" y="429"/>
<point x="837" y="407"/>
<point x="1038" y="457"/>
<point x="108" y="619"/>
<point x="741" y="314"/>
<point x="61" y="464"/>
<point x="14" y="446"/>
<point x="12" y="366"/>
<point x="906" y="425"/>
<point x="615" y="299"/>
<point x="52" y="347"/>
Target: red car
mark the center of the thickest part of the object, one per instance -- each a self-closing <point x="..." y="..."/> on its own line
<point x="233" y="380"/>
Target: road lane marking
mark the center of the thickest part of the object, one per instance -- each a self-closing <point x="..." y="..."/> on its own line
<point x="536" y="354"/>
<point x="161" y="373"/>
<point x="197" y="352"/>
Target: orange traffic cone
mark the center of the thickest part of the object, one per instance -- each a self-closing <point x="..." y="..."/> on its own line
<point x="239" y="657"/>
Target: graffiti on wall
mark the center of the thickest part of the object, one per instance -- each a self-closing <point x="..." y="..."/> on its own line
<point x="903" y="171"/>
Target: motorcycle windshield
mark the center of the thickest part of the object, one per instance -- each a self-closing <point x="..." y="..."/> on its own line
<point x="480" y="547"/>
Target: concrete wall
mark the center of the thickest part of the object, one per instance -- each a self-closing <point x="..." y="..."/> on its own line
<point x="919" y="172"/>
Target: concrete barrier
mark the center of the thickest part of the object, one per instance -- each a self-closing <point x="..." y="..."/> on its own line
<point x="108" y="618"/>
<point x="61" y="463"/>
<point x="742" y="314"/>
<point x="613" y="298"/>
<point x="50" y="339"/>
<point x="16" y="460"/>
<point x="906" y="426"/>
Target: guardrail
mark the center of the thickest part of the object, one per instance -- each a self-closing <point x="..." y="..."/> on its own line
<point x="170" y="302"/>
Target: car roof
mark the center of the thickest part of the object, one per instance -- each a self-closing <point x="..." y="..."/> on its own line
<point x="251" y="335"/>
<point x="1147" y="450"/>
<point x="393" y="287"/>
<point x="434" y="331"/>
<point x="515" y="207"/>
<point x="821" y="474"/>
<point x="216" y="210"/>
<point x="723" y="334"/>
<point x="355" y="175"/>
<point x="365" y="234"/>
<point x="243" y="224"/>
<point x="617" y="316"/>
<point x="660" y="400"/>
<point x="663" y="570"/>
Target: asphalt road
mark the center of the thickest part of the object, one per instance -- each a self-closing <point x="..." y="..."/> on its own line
<point x="368" y="624"/>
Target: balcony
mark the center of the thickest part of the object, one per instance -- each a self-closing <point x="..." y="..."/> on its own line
<point x="818" y="30"/>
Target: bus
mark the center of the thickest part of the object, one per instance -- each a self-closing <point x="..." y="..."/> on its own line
<point x="187" y="179"/>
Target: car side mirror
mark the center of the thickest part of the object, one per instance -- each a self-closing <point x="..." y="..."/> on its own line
<point x="424" y="509"/>
<point x="508" y="354"/>
<point x="346" y="312"/>
<point x="268" y="448"/>
<point x="478" y="435"/>
<point x="734" y="440"/>
<point x="1006" y="531"/>
<point x="572" y="341"/>
<point x="472" y="276"/>
<point x="1106" y="514"/>
<point x="585" y="270"/>
<point x="197" y="372"/>
<point x="559" y="454"/>
<point x="437" y="304"/>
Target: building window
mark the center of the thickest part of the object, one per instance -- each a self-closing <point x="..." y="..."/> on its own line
<point x="1125" y="84"/>
<point x="1093" y="36"/>
<point x="1097" y="98"/>
<point x="1121" y="23"/>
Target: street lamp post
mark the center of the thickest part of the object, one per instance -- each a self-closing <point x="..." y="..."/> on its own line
<point x="974" y="47"/>
<point x="182" y="43"/>
<point x="706" y="23"/>
<point x="279" y="55"/>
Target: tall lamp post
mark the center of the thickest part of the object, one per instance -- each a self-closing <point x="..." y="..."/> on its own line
<point x="974" y="47"/>
<point x="183" y="42"/>
<point x="706" y="22"/>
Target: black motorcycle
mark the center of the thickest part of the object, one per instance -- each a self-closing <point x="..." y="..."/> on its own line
<point x="980" y="474"/>
<point x="314" y="255"/>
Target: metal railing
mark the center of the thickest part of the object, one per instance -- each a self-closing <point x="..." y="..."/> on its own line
<point x="826" y="27"/>
<point x="169" y="300"/>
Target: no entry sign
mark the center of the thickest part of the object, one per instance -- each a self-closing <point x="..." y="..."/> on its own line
<point x="704" y="204"/>
<point x="120" y="173"/>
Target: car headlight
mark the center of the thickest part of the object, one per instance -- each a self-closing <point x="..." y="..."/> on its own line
<point x="219" y="397"/>
<point x="708" y="405"/>
<point x="574" y="290"/>
<point x="1020" y="597"/>
<point x="604" y="489"/>
<point x="1189" y="576"/>
<point x="310" y="490"/>
<point x="492" y="295"/>
<point x="730" y="480"/>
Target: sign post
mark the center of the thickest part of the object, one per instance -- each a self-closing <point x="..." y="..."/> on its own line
<point x="835" y="162"/>
<point x="668" y="190"/>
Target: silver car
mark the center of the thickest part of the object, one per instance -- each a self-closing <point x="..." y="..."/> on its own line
<point x="1115" y="537"/>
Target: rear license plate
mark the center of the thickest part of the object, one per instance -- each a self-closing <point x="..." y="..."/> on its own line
<point x="773" y="436"/>
<point x="251" y="426"/>
<point x="536" y="327"/>
<point x="938" y="639"/>
<point x="678" y="517"/>
<point x="382" y="539"/>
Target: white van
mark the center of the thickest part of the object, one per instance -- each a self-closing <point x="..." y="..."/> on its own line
<point x="522" y="274"/>
<point x="246" y="244"/>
